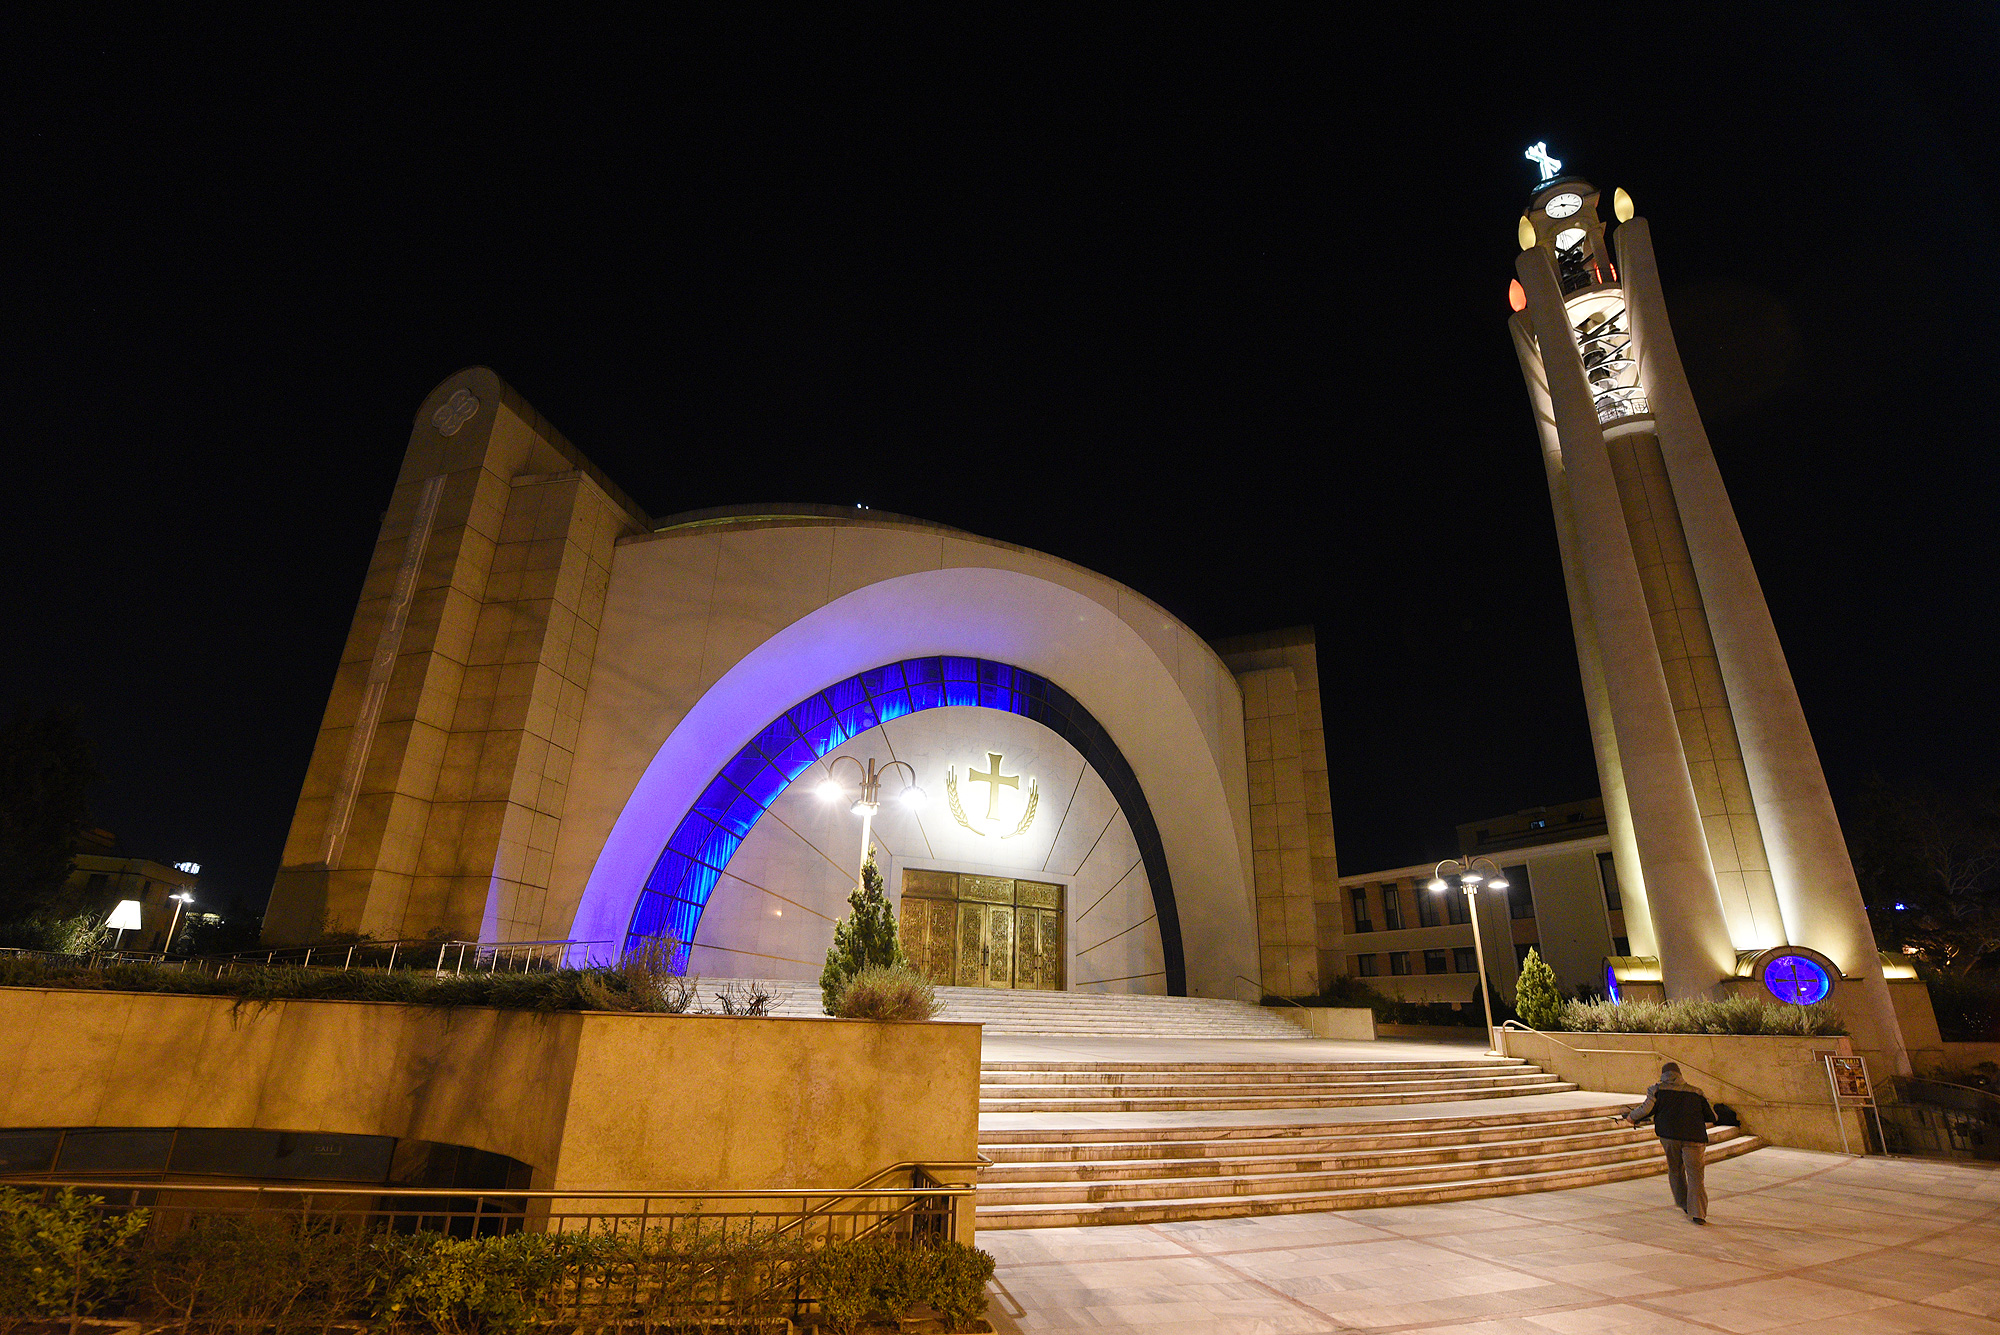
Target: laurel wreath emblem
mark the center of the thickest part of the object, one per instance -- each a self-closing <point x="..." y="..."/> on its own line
<point x="1028" y="816"/>
<point x="958" y="810"/>
<point x="951" y="800"/>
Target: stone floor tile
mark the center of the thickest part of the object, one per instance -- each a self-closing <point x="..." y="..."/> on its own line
<point x="1763" y="1304"/>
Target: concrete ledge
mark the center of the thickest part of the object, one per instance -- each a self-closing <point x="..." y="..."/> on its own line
<point x="1349" y="1022"/>
<point x="590" y="1100"/>
<point x="1777" y="1085"/>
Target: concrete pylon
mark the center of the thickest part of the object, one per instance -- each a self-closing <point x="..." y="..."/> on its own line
<point x="1813" y="876"/>
<point x="1694" y="945"/>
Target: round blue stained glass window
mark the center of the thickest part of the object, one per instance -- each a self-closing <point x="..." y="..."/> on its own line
<point x="1796" y="980"/>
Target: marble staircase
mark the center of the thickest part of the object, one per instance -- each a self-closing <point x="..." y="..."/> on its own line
<point x="1198" y="1140"/>
<point x="1080" y="1014"/>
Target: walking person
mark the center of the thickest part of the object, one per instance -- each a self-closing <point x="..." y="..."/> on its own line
<point x="1681" y="1116"/>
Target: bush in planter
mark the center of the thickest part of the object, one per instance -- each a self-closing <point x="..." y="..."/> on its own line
<point x="895" y="993"/>
<point x="882" y="1279"/>
<point x="865" y="938"/>
<point x="252" y="1271"/>
<point x="67" y="1257"/>
<point x="471" y="1286"/>
<point x="1732" y="1015"/>
<point x="1536" y="994"/>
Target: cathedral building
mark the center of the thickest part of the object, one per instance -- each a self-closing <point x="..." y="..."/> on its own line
<point x="560" y="720"/>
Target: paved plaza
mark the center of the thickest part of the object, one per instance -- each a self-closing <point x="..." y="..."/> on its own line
<point x="1797" y="1242"/>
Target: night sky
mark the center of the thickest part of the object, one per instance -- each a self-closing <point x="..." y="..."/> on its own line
<point x="1219" y="311"/>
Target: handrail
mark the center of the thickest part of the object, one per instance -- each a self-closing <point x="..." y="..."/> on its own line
<point x="1261" y="993"/>
<point x="480" y="1193"/>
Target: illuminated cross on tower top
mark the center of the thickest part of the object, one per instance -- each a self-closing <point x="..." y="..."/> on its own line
<point x="1539" y="155"/>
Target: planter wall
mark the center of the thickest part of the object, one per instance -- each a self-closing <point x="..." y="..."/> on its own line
<point x="1350" y="1022"/>
<point x="590" y="1100"/>
<point x="1777" y="1085"/>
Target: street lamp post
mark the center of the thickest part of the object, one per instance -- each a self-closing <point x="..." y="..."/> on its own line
<point x="181" y="901"/>
<point x="1470" y="878"/>
<point x="870" y="798"/>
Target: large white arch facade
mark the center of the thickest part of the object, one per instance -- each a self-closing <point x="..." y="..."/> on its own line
<point x="712" y="628"/>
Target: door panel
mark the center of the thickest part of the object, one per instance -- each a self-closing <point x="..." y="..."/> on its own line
<point x="992" y="932"/>
<point x="1000" y="946"/>
<point x="971" y="945"/>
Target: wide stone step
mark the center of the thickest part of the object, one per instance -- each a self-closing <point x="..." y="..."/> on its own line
<point x="1173" y="1084"/>
<point x="1032" y="1163"/>
<point x="1239" y="1067"/>
<point x="1218" y="1206"/>
<point x="1425" y="1130"/>
<point x="1337" y="1159"/>
<point x="1275" y="1073"/>
<point x="1546" y="1158"/>
<point x="1245" y="1104"/>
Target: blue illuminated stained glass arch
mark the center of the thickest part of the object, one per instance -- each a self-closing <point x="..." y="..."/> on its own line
<point x="671" y="902"/>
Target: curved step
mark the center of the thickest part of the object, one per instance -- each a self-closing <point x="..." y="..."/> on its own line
<point x="1216" y="1206"/>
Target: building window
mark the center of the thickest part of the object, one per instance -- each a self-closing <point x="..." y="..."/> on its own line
<point x="1361" y="922"/>
<point x="1368" y="966"/>
<point x="1427" y="907"/>
<point x="1464" y="959"/>
<point x="1621" y="945"/>
<point x="1392" y="909"/>
<point x="1399" y="961"/>
<point x="1455" y="907"/>
<point x="1434" y="962"/>
<point x="1520" y="895"/>
<point x="1607" y="871"/>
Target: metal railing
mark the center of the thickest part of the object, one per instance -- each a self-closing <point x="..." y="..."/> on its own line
<point x="1940" y="1119"/>
<point x="730" y="1253"/>
<point x="422" y="953"/>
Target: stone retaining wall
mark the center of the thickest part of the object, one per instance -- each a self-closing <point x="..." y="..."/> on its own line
<point x="1777" y="1085"/>
<point x="591" y="1101"/>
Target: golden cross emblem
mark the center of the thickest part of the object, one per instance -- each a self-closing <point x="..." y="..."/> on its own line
<point x="995" y="781"/>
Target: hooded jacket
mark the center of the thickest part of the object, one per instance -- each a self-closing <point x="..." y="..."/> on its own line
<point x="1679" y="1110"/>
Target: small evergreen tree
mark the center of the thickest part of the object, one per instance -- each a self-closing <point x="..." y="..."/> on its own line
<point x="1537" y="999"/>
<point x="865" y="937"/>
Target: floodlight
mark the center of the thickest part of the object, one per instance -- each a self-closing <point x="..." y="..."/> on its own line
<point x="830" y="790"/>
<point x="125" y="916"/>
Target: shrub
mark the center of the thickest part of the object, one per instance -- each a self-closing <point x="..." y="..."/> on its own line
<point x="865" y="937"/>
<point x="63" y="1257"/>
<point x="897" y="992"/>
<point x="881" y="1279"/>
<point x="1536" y="995"/>
<point x="471" y="1286"/>
<point x="1731" y="1015"/>
<point x="641" y="981"/>
<point x="1344" y="989"/>
<point x="251" y="1271"/>
<point x="959" y="1275"/>
<point x="1967" y="1005"/>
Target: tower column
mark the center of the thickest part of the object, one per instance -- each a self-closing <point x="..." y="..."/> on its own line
<point x="1813" y="877"/>
<point x="1590" y="659"/>
<point x="1693" y="939"/>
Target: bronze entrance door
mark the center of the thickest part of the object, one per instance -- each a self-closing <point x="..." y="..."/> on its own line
<point x="961" y="930"/>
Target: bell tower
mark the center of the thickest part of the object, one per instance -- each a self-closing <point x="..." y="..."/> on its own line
<point x="1723" y="832"/>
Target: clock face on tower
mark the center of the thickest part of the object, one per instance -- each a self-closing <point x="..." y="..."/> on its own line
<point x="1562" y="206"/>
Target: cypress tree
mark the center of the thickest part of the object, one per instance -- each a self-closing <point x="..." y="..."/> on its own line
<point x="866" y="936"/>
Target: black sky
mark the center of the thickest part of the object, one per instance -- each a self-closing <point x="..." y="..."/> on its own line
<point x="1218" y="310"/>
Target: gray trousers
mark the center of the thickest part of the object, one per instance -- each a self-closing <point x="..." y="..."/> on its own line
<point x="1686" y="1161"/>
